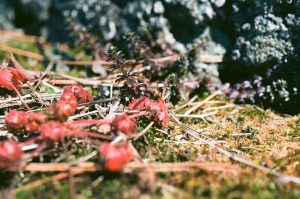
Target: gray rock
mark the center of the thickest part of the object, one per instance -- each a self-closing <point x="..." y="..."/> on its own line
<point x="6" y="14"/>
<point x="265" y="31"/>
<point x="178" y="24"/>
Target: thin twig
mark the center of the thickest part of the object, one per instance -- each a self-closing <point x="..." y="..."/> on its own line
<point x="144" y="131"/>
<point x="202" y="102"/>
<point x="21" y="52"/>
<point x="200" y="116"/>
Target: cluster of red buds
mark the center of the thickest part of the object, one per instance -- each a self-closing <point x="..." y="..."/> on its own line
<point x="51" y="126"/>
<point x="67" y="104"/>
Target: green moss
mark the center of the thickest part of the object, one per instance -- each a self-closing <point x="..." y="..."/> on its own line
<point x="295" y="130"/>
<point x="52" y="190"/>
<point x="252" y="113"/>
<point x="201" y="185"/>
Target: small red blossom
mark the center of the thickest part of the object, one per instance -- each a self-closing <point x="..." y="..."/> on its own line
<point x="115" y="156"/>
<point x="158" y="107"/>
<point x="13" y="79"/>
<point x="10" y="154"/>
<point x="124" y="123"/>
<point x="80" y="94"/>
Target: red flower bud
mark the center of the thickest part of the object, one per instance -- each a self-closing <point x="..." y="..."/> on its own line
<point x="124" y="123"/>
<point x="10" y="153"/>
<point x="53" y="130"/>
<point x="115" y="156"/>
<point x="16" y="120"/>
<point x="34" y="121"/>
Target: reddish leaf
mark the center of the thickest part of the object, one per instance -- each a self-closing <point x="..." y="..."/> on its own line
<point x="13" y="79"/>
<point x="163" y="114"/>
<point x="80" y="94"/>
<point x="158" y="107"/>
<point x="6" y="79"/>
<point x="115" y="156"/>
<point x="138" y="104"/>
<point x="18" y="77"/>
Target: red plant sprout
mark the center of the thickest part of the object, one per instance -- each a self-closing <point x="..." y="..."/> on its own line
<point x="115" y="156"/>
<point x="10" y="154"/>
<point x="13" y="79"/>
<point x="158" y="107"/>
<point x="15" y="120"/>
<point x="124" y="123"/>
<point x="66" y="106"/>
<point x="19" y="120"/>
<point x="52" y="130"/>
<point x="80" y="94"/>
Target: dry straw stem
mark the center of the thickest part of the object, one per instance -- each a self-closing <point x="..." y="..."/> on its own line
<point x="130" y="168"/>
<point x="20" y="36"/>
<point x="21" y="52"/>
<point x="157" y="167"/>
<point x="200" y="116"/>
<point x="144" y="131"/>
<point x="199" y="104"/>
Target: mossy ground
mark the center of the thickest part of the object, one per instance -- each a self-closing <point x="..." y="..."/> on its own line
<point x="261" y="136"/>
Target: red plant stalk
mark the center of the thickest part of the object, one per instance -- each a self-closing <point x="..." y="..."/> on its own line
<point x="79" y="124"/>
<point x="123" y="123"/>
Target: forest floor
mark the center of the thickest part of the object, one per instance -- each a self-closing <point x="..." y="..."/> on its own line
<point x="212" y="147"/>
